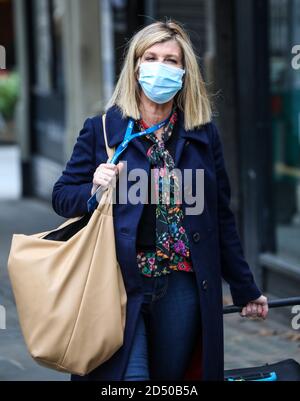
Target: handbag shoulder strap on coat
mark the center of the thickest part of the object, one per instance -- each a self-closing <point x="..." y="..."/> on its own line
<point x="110" y="151"/>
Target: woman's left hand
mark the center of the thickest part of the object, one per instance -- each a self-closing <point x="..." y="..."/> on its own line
<point x="257" y="308"/>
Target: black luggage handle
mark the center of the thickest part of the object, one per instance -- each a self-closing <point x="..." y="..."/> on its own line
<point x="276" y="303"/>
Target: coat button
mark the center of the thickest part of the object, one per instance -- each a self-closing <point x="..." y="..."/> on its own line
<point x="196" y="237"/>
<point x="204" y="285"/>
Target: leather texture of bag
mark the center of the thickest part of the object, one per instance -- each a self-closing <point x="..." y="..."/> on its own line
<point x="69" y="290"/>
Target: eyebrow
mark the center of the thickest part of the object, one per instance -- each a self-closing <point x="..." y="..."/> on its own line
<point x="167" y="55"/>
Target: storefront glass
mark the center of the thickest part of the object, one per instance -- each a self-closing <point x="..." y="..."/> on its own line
<point x="285" y="100"/>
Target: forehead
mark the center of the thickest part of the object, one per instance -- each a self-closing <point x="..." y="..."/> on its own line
<point x="171" y="47"/>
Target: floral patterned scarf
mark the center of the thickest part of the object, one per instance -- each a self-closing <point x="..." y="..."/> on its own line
<point x="172" y="249"/>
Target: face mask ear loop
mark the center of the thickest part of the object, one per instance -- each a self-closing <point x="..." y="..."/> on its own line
<point x="183" y="79"/>
<point x="137" y="68"/>
<point x="137" y="73"/>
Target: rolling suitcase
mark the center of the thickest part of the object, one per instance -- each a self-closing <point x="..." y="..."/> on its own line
<point x="286" y="370"/>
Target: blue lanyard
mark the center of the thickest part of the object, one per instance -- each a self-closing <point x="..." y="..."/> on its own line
<point x="92" y="201"/>
<point x="129" y="136"/>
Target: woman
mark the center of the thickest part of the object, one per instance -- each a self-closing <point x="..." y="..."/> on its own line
<point x="172" y="261"/>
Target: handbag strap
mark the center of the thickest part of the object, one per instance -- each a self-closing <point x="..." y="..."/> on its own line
<point x="110" y="151"/>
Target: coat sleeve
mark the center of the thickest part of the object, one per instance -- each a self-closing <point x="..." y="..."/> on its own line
<point x="235" y="270"/>
<point x="73" y="189"/>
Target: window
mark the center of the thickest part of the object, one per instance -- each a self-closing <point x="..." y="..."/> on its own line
<point x="285" y="101"/>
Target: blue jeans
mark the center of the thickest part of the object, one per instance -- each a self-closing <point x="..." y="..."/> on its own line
<point x="167" y="328"/>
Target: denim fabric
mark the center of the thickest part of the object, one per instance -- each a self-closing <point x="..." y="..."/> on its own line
<point x="167" y="328"/>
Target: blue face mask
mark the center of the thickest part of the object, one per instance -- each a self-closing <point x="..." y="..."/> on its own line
<point x="159" y="81"/>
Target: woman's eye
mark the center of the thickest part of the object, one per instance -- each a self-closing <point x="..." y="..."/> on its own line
<point x="172" y="61"/>
<point x="149" y="58"/>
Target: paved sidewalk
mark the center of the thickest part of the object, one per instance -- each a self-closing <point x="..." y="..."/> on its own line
<point x="250" y="342"/>
<point x="247" y="343"/>
<point x="27" y="216"/>
<point x="10" y="172"/>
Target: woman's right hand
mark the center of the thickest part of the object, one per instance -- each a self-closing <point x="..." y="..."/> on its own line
<point x="105" y="175"/>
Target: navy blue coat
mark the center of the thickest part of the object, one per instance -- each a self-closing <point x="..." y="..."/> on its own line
<point x="214" y="243"/>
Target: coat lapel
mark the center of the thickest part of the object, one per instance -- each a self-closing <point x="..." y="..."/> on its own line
<point x="185" y="137"/>
<point x="116" y="127"/>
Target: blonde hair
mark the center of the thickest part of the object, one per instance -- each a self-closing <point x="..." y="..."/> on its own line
<point x="192" y="99"/>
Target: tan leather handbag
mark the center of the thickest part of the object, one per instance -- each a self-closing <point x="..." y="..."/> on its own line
<point x="69" y="290"/>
